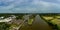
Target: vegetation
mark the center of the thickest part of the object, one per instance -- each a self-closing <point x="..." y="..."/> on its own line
<point x="54" y="20"/>
<point x="19" y="17"/>
<point x="30" y="21"/>
<point x="4" y="26"/>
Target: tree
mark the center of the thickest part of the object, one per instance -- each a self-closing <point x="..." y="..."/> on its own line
<point x="4" y="26"/>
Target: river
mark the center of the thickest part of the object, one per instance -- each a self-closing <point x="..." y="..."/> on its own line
<point x="38" y="24"/>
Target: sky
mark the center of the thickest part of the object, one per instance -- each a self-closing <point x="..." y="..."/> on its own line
<point x="29" y="6"/>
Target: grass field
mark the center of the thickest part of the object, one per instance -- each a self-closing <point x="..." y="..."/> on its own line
<point x="55" y="20"/>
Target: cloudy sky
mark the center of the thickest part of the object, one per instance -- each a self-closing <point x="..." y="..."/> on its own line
<point x="29" y="6"/>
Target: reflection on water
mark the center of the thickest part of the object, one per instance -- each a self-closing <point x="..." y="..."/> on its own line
<point x="34" y="23"/>
<point x="38" y="24"/>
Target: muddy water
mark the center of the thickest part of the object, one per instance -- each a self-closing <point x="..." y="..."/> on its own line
<point x="38" y="24"/>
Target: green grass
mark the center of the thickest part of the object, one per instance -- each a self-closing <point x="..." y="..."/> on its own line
<point x="55" y="20"/>
<point x="30" y="21"/>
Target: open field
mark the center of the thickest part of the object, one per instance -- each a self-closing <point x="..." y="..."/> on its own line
<point x="54" y="20"/>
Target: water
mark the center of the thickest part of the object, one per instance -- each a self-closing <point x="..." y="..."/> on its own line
<point x="38" y="24"/>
